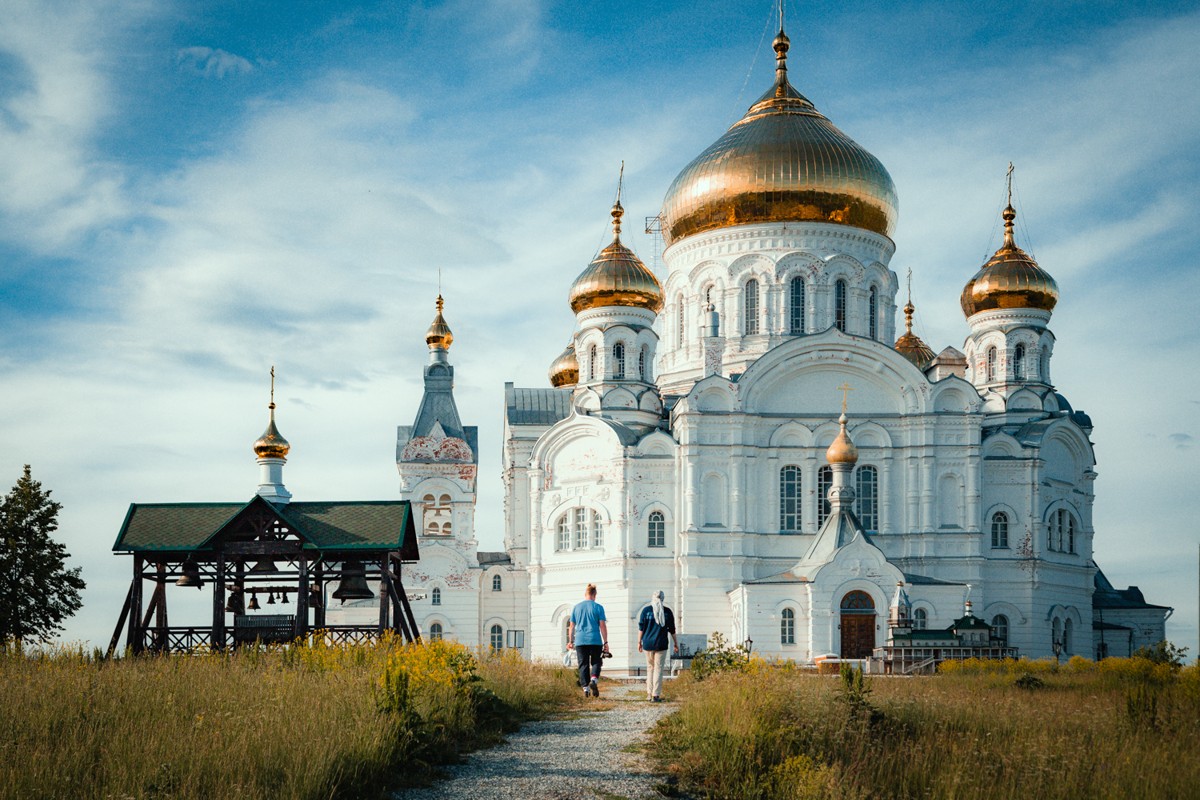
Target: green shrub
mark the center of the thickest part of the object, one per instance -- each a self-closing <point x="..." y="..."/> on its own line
<point x="719" y="656"/>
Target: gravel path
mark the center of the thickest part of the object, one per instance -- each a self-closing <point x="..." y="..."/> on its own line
<point x="578" y="759"/>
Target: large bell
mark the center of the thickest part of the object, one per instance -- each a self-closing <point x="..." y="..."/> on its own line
<point x="314" y="596"/>
<point x="353" y="584"/>
<point x="264" y="567"/>
<point x="237" y="601"/>
<point x="191" y="574"/>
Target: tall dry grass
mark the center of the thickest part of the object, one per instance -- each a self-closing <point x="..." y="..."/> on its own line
<point x="301" y="722"/>
<point x="1114" y="730"/>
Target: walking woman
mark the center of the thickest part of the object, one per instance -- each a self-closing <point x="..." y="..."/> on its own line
<point x="656" y="624"/>
<point x="588" y="634"/>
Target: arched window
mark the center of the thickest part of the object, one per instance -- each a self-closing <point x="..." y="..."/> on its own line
<point x="618" y="370"/>
<point x="796" y="317"/>
<point x="438" y="515"/>
<point x="1019" y="362"/>
<point x="592" y="363"/>
<point x="1061" y="531"/>
<point x="1070" y="532"/>
<point x="563" y="542"/>
<point x="497" y="583"/>
<point x="581" y="531"/>
<point x="597" y="527"/>
<point x="1000" y="628"/>
<point x="999" y="530"/>
<point x="787" y="627"/>
<point x="920" y="619"/>
<point x="679" y="324"/>
<point x="657" y="526"/>
<point x="435" y="632"/>
<point x="644" y="363"/>
<point x="750" y="324"/>
<point x="839" y="305"/>
<point x="824" y="483"/>
<point x="497" y="637"/>
<point x="1068" y="627"/>
<point x="789" y="499"/>
<point x="991" y="364"/>
<point x="873" y="313"/>
<point x="866" y="497"/>
<point x="435" y="596"/>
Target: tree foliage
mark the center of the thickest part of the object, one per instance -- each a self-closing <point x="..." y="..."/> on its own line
<point x="37" y="591"/>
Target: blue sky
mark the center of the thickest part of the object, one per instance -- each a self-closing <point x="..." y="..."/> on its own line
<point x="191" y="192"/>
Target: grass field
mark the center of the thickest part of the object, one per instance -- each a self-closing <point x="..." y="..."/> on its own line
<point x="1125" y="728"/>
<point x="305" y="722"/>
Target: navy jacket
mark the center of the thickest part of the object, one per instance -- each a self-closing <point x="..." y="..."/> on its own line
<point x="654" y="636"/>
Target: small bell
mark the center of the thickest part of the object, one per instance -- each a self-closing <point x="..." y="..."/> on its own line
<point x="237" y="601"/>
<point x="254" y="606"/>
<point x="283" y="597"/>
<point x="271" y="598"/>
<point x="314" y="597"/>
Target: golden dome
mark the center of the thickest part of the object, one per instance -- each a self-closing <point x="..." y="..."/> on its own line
<point x="842" y="451"/>
<point x="439" y="334"/>
<point x="783" y="161"/>
<point x="1010" y="279"/>
<point x="616" y="277"/>
<point x="272" y="444"/>
<point x="565" y="369"/>
<point x="910" y="345"/>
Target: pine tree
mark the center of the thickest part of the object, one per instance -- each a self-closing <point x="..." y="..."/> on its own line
<point x="37" y="591"/>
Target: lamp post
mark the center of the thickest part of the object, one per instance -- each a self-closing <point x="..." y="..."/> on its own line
<point x="749" y="645"/>
<point x="1057" y="645"/>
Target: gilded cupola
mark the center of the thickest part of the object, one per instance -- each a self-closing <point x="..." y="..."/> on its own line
<point x="1010" y="279"/>
<point x="910" y="345"/>
<point x="842" y="451"/>
<point x="272" y="444"/>
<point x="616" y="277"/>
<point x="439" y="334"/>
<point x="565" y="369"/>
<point x="783" y="161"/>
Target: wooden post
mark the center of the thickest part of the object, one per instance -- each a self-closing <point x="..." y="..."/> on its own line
<point x="400" y="626"/>
<point x="383" y="595"/>
<point x="319" y="576"/>
<point x="116" y="637"/>
<point x="217" y="638"/>
<point x="134" y="640"/>
<point x="403" y="596"/>
<point x="302" y="599"/>
<point x="160" y="605"/>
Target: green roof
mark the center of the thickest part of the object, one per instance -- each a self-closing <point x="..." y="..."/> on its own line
<point x="188" y="527"/>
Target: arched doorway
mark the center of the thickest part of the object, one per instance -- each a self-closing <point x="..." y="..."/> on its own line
<point x="858" y="625"/>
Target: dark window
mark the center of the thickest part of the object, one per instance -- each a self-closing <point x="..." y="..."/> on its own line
<point x="839" y="306"/>
<point x="824" y="483"/>
<point x="866" y="497"/>
<point x="789" y="499"/>
<point x="999" y="530"/>
<point x="796" y="320"/>
<point x="657" y="525"/>
<point x="751" y="322"/>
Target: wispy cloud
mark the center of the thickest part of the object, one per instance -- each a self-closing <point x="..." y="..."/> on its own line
<point x="212" y="63"/>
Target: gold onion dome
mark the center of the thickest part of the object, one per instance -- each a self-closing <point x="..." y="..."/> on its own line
<point x="272" y="444"/>
<point x="1010" y="279"/>
<point x="439" y="334"/>
<point x="783" y="161"/>
<point x="842" y="451"/>
<point x="565" y="369"/>
<point x="910" y="345"/>
<point x="616" y="277"/>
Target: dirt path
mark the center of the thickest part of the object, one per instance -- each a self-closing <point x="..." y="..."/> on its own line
<point x="584" y="757"/>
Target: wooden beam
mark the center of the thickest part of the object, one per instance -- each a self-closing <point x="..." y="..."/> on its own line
<point x="319" y="576"/>
<point x="302" y="599"/>
<point x="116" y="637"/>
<point x="135" y="641"/>
<point x="260" y="548"/>
<point x="216" y="639"/>
<point x="383" y="596"/>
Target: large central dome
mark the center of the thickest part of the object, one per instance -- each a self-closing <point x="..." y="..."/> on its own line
<point x="782" y="162"/>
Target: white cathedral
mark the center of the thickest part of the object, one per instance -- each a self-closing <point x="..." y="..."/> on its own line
<point x="690" y="439"/>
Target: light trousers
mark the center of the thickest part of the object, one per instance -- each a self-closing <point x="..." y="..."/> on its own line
<point x="654" y="671"/>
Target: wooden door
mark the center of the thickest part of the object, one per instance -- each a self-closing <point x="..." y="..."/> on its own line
<point x="858" y="635"/>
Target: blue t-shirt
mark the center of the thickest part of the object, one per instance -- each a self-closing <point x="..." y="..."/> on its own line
<point x="654" y="636"/>
<point x="587" y="616"/>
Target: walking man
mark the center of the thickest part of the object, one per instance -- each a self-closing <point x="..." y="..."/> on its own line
<point x="588" y="634"/>
<point x="655" y="624"/>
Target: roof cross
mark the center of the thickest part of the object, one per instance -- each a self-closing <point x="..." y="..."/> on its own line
<point x="272" y="406"/>
<point x="845" y="389"/>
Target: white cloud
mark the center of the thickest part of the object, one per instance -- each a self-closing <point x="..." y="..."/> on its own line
<point x="212" y="63"/>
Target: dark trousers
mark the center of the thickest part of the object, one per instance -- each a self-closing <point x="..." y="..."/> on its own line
<point x="588" y="656"/>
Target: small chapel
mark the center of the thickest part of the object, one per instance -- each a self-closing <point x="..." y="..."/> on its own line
<point x="748" y="433"/>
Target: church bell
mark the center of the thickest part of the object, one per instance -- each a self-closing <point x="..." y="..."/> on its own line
<point x="191" y="575"/>
<point x="353" y="584"/>
<point x="236" y="604"/>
